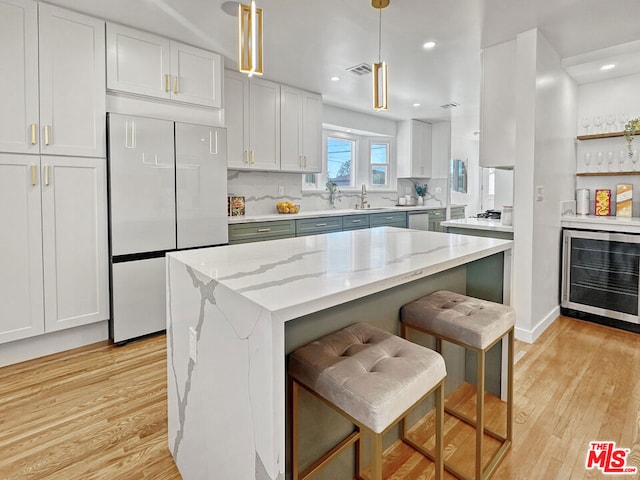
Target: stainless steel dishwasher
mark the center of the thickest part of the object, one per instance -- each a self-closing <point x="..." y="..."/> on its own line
<point x="418" y="219"/>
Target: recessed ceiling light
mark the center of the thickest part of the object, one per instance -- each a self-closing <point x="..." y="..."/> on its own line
<point x="416" y="105"/>
<point x="429" y="45"/>
<point x="608" y="66"/>
<point x="335" y="79"/>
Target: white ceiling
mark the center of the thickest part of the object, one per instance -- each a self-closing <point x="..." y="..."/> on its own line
<point x="306" y="42"/>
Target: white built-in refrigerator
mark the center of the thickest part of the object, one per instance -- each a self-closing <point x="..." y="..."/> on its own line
<point x="167" y="191"/>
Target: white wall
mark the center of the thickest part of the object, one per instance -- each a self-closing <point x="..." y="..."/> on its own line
<point x="545" y="157"/>
<point x="356" y="120"/>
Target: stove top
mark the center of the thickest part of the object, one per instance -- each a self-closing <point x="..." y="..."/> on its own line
<point x="493" y="214"/>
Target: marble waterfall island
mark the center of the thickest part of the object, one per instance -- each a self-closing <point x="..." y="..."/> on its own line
<point x="234" y="313"/>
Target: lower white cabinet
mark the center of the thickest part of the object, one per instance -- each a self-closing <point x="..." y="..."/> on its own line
<point x="56" y="207"/>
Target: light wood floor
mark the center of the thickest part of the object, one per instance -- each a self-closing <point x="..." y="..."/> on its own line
<point x="99" y="412"/>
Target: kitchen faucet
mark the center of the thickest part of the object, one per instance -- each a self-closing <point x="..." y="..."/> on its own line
<point x="363" y="197"/>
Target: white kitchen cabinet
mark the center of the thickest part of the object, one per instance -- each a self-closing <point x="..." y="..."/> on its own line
<point x="21" y="294"/>
<point x="252" y="110"/>
<point x="414" y="149"/>
<point x="74" y="232"/>
<point x="19" y="60"/>
<point x="54" y="255"/>
<point x="146" y="64"/>
<point x="301" y="130"/>
<point x="498" y="106"/>
<point x="56" y="103"/>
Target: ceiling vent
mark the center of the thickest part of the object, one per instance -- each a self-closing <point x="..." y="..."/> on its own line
<point x="360" y="70"/>
<point x="450" y="105"/>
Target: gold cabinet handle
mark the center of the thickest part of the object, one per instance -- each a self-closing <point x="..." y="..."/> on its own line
<point x="305" y="161"/>
<point x="175" y="84"/>
<point x="166" y="83"/>
<point x="33" y="133"/>
<point x="321" y="224"/>
<point x="34" y="175"/>
<point x="46" y="175"/>
<point x="253" y="156"/>
<point x="246" y="156"/>
<point x="47" y="131"/>
<point x="263" y="230"/>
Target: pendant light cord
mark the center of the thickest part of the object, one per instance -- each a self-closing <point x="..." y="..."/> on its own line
<point x="380" y="36"/>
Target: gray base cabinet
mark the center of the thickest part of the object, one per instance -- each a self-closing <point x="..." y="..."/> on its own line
<point x="435" y="217"/>
<point x="317" y="225"/>
<point x="260" y="231"/>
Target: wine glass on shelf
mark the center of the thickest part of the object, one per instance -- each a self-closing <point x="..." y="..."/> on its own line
<point x="587" y="161"/>
<point x="586" y="123"/>
<point x="622" y="158"/>
<point x="597" y="123"/>
<point x="611" y="120"/>
<point x="622" y="119"/>
<point x="599" y="160"/>
<point x="610" y="161"/>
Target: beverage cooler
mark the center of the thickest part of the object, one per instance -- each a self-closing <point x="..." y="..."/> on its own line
<point x="600" y="274"/>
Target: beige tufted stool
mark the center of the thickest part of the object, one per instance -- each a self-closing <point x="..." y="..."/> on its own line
<point x="475" y="325"/>
<point x="374" y="379"/>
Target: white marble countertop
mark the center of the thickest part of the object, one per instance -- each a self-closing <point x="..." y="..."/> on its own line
<point x="606" y="224"/>
<point x="324" y="213"/>
<point x="478" y="224"/>
<point x="297" y="276"/>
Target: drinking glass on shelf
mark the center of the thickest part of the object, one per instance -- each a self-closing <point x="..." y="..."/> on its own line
<point x="610" y="160"/>
<point x="599" y="160"/>
<point x="586" y="123"/>
<point x="611" y="120"/>
<point x="597" y="123"/>
<point x="622" y="119"/>
<point x="622" y="158"/>
<point x="587" y="161"/>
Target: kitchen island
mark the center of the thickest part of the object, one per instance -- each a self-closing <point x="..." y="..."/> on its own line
<point x="235" y="312"/>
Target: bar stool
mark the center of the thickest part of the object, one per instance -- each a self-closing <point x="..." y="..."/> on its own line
<point x="475" y="325"/>
<point x="371" y="377"/>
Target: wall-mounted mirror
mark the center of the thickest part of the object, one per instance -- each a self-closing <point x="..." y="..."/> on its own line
<point x="458" y="176"/>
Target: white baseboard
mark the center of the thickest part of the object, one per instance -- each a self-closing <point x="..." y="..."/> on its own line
<point x="530" y="336"/>
<point x="49" y="343"/>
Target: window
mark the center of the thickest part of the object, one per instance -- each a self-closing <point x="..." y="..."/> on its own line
<point x="340" y="161"/>
<point x="379" y="164"/>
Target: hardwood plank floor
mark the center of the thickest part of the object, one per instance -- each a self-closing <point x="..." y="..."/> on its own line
<point x="99" y="412"/>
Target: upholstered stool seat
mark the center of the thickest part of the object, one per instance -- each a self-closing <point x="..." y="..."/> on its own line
<point x="372" y="377"/>
<point x="475" y="325"/>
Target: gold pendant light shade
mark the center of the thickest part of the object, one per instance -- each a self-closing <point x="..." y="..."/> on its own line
<point x="379" y="3"/>
<point x="250" y="39"/>
<point x="380" y="84"/>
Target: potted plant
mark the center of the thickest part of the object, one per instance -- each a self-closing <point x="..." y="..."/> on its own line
<point x="421" y="191"/>
<point x="630" y="129"/>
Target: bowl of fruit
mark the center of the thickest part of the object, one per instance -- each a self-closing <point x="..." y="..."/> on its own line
<point x="287" y="207"/>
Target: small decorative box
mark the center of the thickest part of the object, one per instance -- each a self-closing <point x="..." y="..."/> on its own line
<point x="235" y="206"/>
<point x="624" y="197"/>
<point x="603" y="202"/>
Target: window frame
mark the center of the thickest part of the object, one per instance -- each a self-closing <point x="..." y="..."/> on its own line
<point x="387" y="164"/>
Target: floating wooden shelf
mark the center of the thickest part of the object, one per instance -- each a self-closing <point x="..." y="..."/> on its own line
<point x="605" y="174"/>
<point x="601" y="135"/>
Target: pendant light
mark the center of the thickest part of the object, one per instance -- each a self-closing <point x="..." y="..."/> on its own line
<point x="380" y="69"/>
<point x="250" y="39"/>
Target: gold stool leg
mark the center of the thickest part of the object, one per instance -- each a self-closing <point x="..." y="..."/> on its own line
<point x="510" y="386"/>
<point x="480" y="413"/>
<point x="376" y="460"/>
<point x="295" y="474"/>
<point x="439" y="453"/>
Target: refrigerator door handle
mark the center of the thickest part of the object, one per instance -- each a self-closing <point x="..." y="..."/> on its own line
<point x="130" y="134"/>
<point x="213" y="142"/>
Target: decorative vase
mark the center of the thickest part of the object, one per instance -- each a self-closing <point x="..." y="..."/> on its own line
<point x="420" y="200"/>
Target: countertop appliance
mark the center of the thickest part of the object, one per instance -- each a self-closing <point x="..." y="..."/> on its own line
<point x="418" y="219"/>
<point x="491" y="214"/>
<point x="167" y="191"/>
<point x="600" y="274"/>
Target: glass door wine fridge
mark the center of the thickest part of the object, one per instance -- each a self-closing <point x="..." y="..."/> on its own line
<point x="600" y="273"/>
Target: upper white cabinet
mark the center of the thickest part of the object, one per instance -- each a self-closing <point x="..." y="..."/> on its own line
<point x="252" y="111"/>
<point x="54" y="244"/>
<point x="56" y="103"/>
<point x="301" y="130"/>
<point x="498" y="106"/>
<point x="146" y="64"/>
<point x="414" y="149"/>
